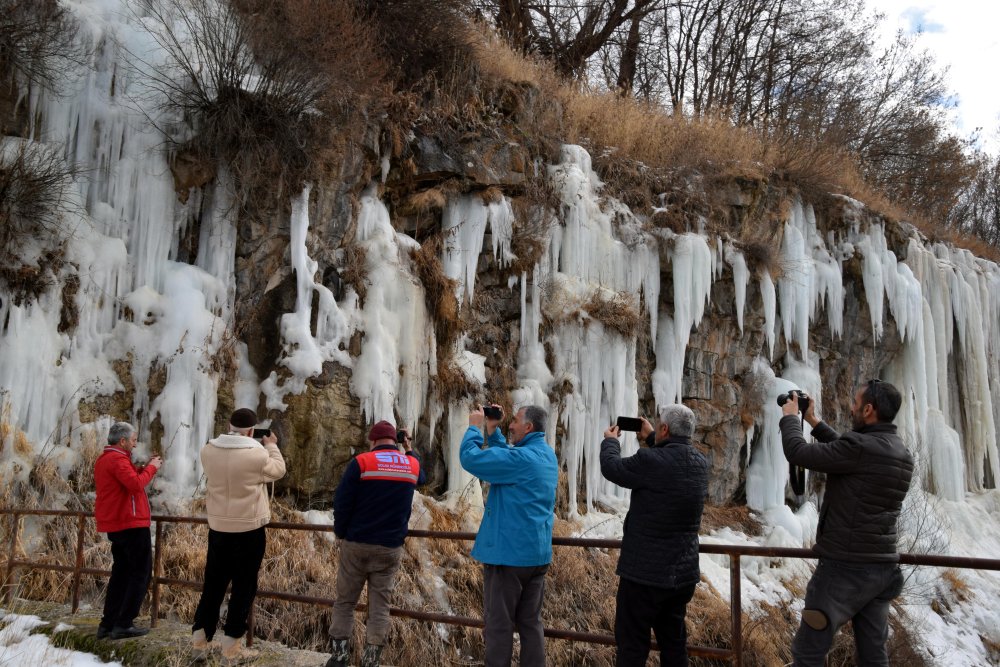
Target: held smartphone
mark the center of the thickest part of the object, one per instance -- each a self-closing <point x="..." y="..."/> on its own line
<point x="259" y="433"/>
<point x="492" y="412"/>
<point x="400" y="437"/>
<point x="629" y="424"/>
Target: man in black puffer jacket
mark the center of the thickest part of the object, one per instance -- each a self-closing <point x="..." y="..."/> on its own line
<point x="658" y="566"/>
<point x="868" y="474"/>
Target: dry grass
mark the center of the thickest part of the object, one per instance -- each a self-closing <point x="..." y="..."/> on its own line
<point x="732" y="516"/>
<point x="619" y="312"/>
<point x="958" y="587"/>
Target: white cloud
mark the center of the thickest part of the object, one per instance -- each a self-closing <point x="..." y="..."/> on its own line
<point x="963" y="36"/>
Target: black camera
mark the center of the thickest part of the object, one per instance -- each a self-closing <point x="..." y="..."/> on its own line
<point x="804" y="399"/>
<point x="493" y="413"/>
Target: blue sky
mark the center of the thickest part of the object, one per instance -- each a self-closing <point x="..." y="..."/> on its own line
<point x="963" y="35"/>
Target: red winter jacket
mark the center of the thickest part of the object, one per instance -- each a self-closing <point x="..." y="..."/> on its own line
<point x="121" y="491"/>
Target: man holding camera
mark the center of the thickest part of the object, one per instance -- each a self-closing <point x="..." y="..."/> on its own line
<point x="514" y="542"/>
<point x="658" y="565"/>
<point x="237" y="469"/>
<point x="371" y="513"/>
<point x="868" y="475"/>
<point x="121" y="510"/>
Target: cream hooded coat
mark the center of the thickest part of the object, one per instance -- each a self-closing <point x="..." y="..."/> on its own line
<point x="237" y="469"/>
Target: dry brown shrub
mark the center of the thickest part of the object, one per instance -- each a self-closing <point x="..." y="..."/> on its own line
<point x="355" y="271"/>
<point x="439" y="292"/>
<point x="432" y="199"/>
<point x="618" y="313"/>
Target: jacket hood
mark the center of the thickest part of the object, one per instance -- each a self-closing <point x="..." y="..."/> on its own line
<point x="230" y="441"/>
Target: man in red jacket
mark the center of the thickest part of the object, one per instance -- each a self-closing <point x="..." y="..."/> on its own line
<point x="122" y="511"/>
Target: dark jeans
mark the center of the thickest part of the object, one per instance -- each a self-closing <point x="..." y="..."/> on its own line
<point x="841" y="592"/>
<point x="132" y="566"/>
<point x="236" y="558"/>
<point x="512" y="598"/>
<point x="640" y="608"/>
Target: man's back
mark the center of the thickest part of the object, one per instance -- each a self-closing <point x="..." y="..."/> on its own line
<point x="868" y="475"/>
<point x="669" y="482"/>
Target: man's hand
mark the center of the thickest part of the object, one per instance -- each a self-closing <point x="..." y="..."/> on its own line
<point x="476" y="417"/>
<point x="810" y="414"/>
<point x="156" y="462"/>
<point x="612" y="432"/>
<point x="646" y="429"/>
<point x="270" y="439"/>
<point x="491" y="424"/>
<point x="791" y="406"/>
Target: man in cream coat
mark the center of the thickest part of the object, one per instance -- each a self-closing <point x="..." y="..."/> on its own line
<point x="237" y="470"/>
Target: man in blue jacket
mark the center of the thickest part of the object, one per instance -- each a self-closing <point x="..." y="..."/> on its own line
<point x="514" y="542"/>
<point x="658" y="563"/>
<point x="371" y="512"/>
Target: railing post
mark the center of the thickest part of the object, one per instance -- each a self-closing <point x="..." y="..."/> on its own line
<point x="8" y="581"/>
<point x="81" y="528"/>
<point x="250" y="624"/>
<point x="154" y="610"/>
<point x="736" y="608"/>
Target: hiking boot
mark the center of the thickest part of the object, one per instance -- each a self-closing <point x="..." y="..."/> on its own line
<point x="118" y="632"/>
<point x="199" y="644"/>
<point x="103" y="632"/>
<point x="370" y="656"/>
<point x="341" y="654"/>
<point x="232" y="650"/>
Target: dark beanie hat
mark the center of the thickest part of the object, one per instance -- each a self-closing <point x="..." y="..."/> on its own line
<point x="382" y="429"/>
<point x="244" y="418"/>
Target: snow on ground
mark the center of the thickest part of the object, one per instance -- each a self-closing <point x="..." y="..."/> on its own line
<point x="19" y="648"/>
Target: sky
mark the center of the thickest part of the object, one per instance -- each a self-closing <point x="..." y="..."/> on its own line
<point x="963" y="35"/>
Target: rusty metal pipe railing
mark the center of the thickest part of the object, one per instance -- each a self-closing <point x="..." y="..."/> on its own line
<point x="734" y="552"/>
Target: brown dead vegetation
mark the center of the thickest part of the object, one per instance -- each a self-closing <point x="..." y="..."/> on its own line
<point x="618" y="312"/>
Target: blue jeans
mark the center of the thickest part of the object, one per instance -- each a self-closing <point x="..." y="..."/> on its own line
<point x="839" y="592"/>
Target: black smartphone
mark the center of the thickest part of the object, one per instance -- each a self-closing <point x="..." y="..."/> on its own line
<point x="400" y="437"/>
<point x="492" y="412"/>
<point x="259" y="433"/>
<point x="629" y="424"/>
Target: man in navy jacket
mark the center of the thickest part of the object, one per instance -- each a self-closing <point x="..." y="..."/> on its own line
<point x="658" y="565"/>
<point x="514" y="542"/>
<point x="371" y="511"/>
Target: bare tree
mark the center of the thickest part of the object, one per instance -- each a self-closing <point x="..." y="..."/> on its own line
<point x="37" y="40"/>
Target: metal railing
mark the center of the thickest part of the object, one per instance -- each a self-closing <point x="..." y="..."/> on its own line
<point x="734" y="552"/>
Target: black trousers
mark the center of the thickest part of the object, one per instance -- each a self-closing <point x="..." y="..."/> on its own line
<point x="641" y="607"/>
<point x="132" y="567"/>
<point x="236" y="558"/>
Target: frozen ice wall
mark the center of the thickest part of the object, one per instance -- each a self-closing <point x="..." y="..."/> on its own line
<point x="137" y="304"/>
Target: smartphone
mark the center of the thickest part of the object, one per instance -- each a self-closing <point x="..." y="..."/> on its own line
<point x="400" y="437"/>
<point x="629" y="424"/>
<point x="259" y="433"/>
<point x="492" y="412"/>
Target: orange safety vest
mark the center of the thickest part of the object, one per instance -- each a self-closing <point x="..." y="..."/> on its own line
<point x="390" y="466"/>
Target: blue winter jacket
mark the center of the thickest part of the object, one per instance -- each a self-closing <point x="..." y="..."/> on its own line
<point x="520" y="508"/>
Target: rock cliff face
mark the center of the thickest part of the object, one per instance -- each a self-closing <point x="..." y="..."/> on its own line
<point x="324" y="425"/>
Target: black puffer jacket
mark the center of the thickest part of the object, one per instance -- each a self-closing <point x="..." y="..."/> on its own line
<point x="868" y="475"/>
<point x="669" y="482"/>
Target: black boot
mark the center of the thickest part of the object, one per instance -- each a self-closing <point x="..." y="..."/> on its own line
<point x="341" y="654"/>
<point x="370" y="656"/>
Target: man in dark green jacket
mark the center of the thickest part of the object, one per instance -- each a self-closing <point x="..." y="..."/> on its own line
<point x="658" y="565"/>
<point x="868" y="474"/>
